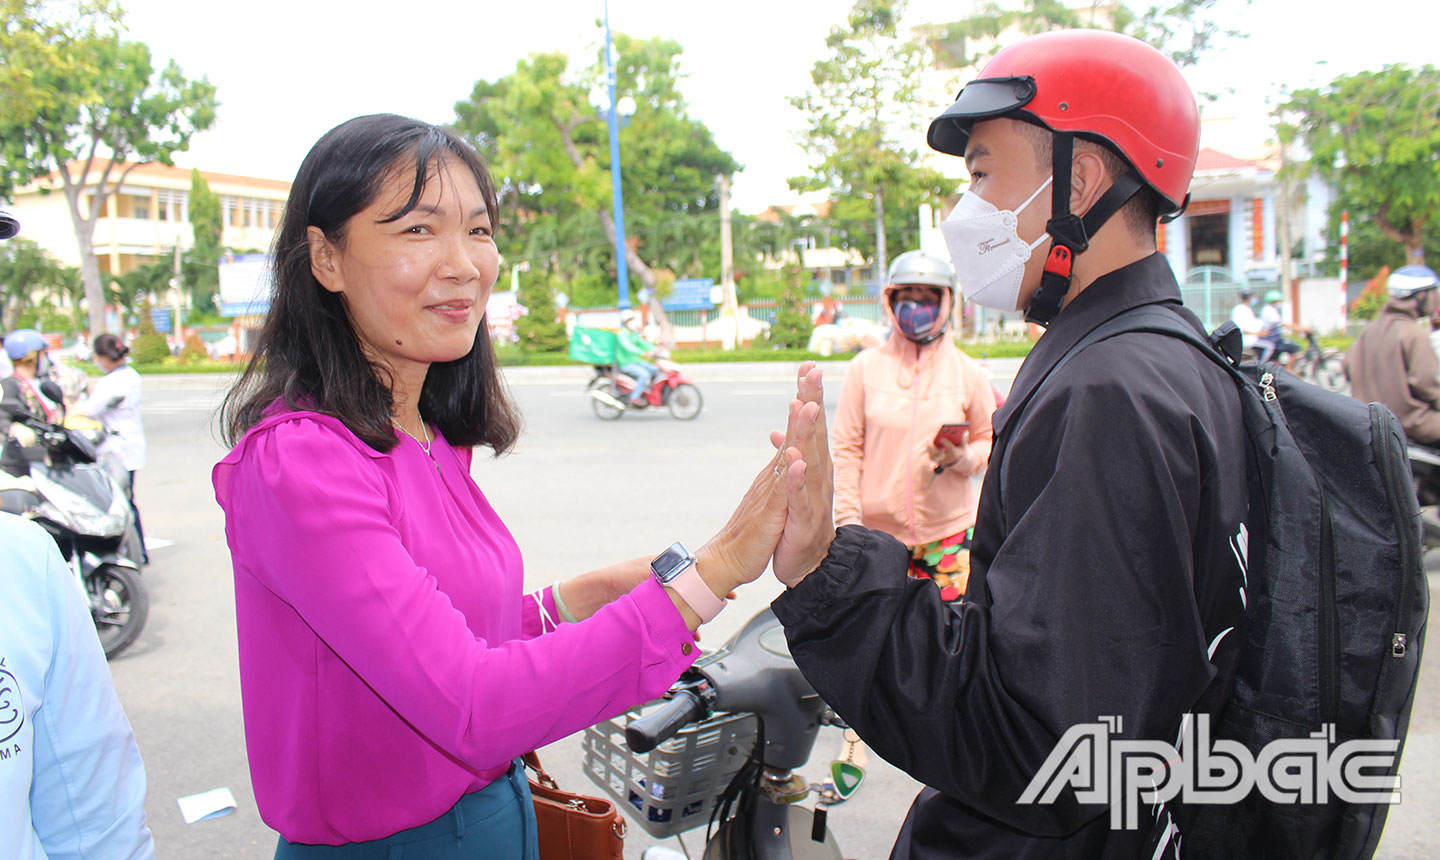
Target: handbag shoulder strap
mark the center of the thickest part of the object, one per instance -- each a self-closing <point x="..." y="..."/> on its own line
<point x="532" y="761"/>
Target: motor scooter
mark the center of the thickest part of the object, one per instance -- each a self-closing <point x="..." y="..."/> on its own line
<point x="84" y="507"/>
<point x="720" y="752"/>
<point x="610" y="390"/>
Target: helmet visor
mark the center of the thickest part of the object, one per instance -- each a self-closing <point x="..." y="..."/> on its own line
<point x="981" y="99"/>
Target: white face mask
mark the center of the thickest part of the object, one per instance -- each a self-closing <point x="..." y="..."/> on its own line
<point x="987" y="250"/>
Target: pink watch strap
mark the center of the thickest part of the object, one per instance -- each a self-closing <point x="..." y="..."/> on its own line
<point x="693" y="590"/>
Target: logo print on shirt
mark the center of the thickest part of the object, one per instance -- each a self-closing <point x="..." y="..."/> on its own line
<point x="12" y="715"/>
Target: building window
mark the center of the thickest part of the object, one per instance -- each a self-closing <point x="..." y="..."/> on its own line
<point x="229" y="214"/>
<point x="1209" y="239"/>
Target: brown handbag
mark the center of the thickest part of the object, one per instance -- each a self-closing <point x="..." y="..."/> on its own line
<point x="573" y="826"/>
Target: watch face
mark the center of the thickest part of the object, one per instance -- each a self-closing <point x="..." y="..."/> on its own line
<point x="671" y="562"/>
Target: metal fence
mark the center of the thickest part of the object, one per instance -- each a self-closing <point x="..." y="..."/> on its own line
<point x="1212" y="292"/>
<point x="694" y="317"/>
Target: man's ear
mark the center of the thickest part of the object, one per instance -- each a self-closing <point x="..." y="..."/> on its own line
<point x="1088" y="180"/>
<point x="323" y="263"/>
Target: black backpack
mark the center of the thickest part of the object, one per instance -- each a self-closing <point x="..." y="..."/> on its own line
<point x="1338" y="596"/>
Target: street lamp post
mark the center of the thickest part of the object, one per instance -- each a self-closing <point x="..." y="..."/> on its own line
<point x="622" y="274"/>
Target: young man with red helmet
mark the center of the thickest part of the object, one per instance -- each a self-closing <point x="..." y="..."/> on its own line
<point x="1107" y="568"/>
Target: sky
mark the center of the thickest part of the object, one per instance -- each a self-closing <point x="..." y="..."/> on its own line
<point x="289" y="70"/>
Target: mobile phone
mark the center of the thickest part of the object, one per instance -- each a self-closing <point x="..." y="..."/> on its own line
<point x="954" y="432"/>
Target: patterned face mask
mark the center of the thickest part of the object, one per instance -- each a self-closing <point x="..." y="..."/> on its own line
<point x="918" y="321"/>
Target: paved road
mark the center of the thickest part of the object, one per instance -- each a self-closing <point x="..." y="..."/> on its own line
<point x="577" y="492"/>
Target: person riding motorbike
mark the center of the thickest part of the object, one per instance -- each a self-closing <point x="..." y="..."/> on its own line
<point x="631" y="352"/>
<point x="1392" y="361"/>
<point x="1245" y="319"/>
<point x="20" y="397"/>
<point x="1273" y="344"/>
<point x="890" y="473"/>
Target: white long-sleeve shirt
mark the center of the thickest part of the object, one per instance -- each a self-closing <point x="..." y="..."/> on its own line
<point x="127" y="434"/>
<point x="72" y="786"/>
<point x="1248" y="322"/>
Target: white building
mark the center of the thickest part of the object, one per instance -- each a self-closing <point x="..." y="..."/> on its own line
<point x="149" y="214"/>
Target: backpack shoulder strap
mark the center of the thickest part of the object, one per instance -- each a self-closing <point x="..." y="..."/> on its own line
<point x="1158" y="320"/>
<point x="1153" y="319"/>
<point x="1146" y="318"/>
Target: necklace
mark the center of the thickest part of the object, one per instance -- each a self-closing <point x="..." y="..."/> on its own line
<point x="425" y="445"/>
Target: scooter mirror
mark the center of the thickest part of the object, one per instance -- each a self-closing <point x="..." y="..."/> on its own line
<point x="9" y="226"/>
<point x="51" y="389"/>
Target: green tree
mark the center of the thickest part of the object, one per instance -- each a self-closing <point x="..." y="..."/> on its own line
<point x="1180" y="28"/>
<point x="99" y="118"/>
<point x="793" y="325"/>
<point x="1375" y="136"/>
<point x="548" y="147"/>
<point x="201" y="265"/>
<point x="541" y="329"/>
<point x="26" y="272"/>
<point x="134" y="290"/>
<point x="863" y="102"/>
<point x="31" y="41"/>
<point x="1368" y="248"/>
<point x="150" y="345"/>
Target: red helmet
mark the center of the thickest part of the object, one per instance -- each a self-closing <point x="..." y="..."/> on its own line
<point x="1096" y="84"/>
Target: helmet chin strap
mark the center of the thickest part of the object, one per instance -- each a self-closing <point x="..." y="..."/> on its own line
<point x="1069" y="233"/>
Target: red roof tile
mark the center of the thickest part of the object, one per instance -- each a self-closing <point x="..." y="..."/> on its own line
<point x="1214" y="159"/>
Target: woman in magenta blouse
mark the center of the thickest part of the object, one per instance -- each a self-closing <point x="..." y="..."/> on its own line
<point x="391" y="668"/>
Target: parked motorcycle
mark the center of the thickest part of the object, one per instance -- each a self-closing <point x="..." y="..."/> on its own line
<point x="84" y="507"/>
<point x="610" y="392"/>
<point x="720" y="752"/>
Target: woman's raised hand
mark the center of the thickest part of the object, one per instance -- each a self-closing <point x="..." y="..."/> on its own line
<point x="810" y="485"/>
<point x="743" y="547"/>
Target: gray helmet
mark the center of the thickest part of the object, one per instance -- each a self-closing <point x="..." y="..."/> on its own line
<point x="1406" y="281"/>
<point x="918" y="267"/>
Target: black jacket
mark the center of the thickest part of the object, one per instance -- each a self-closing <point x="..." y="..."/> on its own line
<point x="16" y="399"/>
<point x="1106" y="562"/>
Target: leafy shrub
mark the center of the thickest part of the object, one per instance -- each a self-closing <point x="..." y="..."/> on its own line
<point x="540" y="330"/>
<point x="150" y="348"/>
<point x="792" y="326"/>
<point x="1368" y="306"/>
<point x="194" y="350"/>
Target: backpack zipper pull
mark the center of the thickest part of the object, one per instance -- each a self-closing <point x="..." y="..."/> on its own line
<point x="1397" y="644"/>
<point x="1267" y="385"/>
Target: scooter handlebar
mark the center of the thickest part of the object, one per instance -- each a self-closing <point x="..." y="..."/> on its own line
<point x="658" y="726"/>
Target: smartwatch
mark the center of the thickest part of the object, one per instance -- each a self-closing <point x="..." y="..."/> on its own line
<point x="675" y="568"/>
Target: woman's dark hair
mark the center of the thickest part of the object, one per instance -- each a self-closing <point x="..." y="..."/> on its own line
<point x="309" y="354"/>
<point x="109" y="345"/>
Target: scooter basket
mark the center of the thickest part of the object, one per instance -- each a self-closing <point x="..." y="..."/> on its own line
<point x="673" y="787"/>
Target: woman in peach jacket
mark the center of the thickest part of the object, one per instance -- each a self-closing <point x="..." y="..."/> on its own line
<point x="889" y="472"/>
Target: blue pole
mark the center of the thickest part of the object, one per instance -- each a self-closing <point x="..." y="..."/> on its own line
<point x="621" y="269"/>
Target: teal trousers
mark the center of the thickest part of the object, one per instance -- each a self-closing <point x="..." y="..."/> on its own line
<point x="495" y="823"/>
